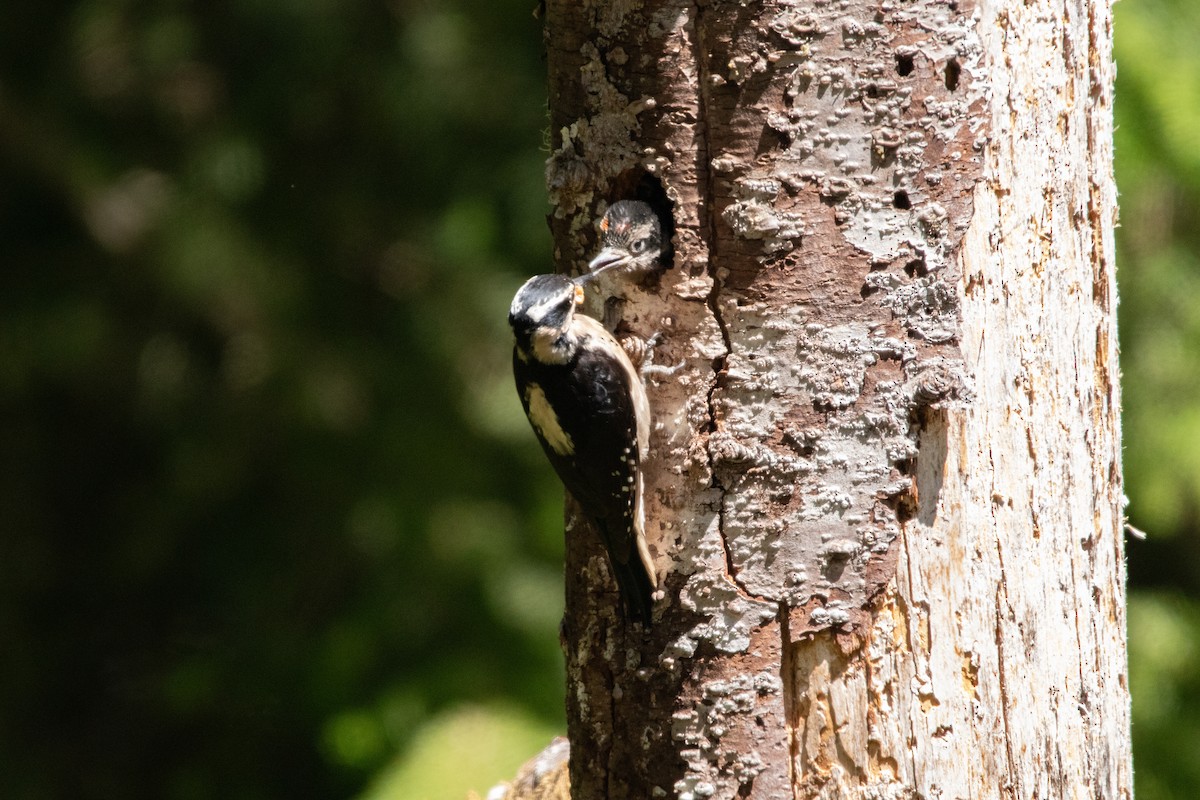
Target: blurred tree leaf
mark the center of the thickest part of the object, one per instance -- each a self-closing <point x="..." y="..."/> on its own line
<point x="1158" y="172"/>
<point x="467" y="749"/>
<point x="268" y="506"/>
<point x="1166" y="695"/>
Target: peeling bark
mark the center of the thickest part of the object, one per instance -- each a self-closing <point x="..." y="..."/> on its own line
<point x="884" y="490"/>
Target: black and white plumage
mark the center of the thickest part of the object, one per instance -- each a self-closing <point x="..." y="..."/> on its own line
<point x="588" y="407"/>
<point x="631" y="240"/>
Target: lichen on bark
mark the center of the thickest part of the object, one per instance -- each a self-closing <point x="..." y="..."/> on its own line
<point x="818" y="161"/>
<point x="837" y="281"/>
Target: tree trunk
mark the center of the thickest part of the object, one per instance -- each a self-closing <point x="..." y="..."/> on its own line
<point x="884" y="491"/>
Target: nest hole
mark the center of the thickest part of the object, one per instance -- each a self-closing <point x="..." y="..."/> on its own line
<point x="638" y="184"/>
<point x="952" y="72"/>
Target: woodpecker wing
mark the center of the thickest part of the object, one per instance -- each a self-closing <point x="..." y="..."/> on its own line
<point x="591" y="417"/>
<point x="586" y="423"/>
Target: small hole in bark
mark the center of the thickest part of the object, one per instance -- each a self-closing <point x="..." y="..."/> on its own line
<point x="801" y="446"/>
<point x="952" y="5"/>
<point x="953" y="70"/>
<point x="903" y="502"/>
<point x="900" y="200"/>
<point x="916" y="268"/>
<point x="823" y="406"/>
<point x="904" y="65"/>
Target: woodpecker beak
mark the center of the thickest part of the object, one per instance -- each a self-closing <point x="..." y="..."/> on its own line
<point x="606" y="258"/>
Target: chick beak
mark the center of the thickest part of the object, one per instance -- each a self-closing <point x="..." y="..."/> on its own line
<point x="607" y="258"/>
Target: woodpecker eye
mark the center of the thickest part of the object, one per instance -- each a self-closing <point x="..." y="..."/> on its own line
<point x="638" y="246"/>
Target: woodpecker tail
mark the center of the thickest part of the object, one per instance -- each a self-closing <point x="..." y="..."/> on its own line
<point x="630" y="562"/>
<point x="636" y="590"/>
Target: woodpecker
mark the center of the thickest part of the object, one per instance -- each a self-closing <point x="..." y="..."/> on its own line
<point x="631" y="240"/>
<point x="588" y="407"/>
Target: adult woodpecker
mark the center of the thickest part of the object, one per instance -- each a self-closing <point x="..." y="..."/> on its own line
<point x="588" y="407"/>
<point x="631" y="240"/>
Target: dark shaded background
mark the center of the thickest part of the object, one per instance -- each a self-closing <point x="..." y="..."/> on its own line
<point x="271" y="522"/>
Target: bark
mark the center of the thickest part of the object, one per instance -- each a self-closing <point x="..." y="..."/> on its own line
<point x="884" y="490"/>
<point x="543" y="777"/>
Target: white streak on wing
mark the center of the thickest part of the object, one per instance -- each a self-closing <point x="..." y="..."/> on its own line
<point x="639" y="527"/>
<point x="545" y="421"/>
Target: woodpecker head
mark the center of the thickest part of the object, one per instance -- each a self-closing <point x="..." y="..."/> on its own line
<point x="542" y="311"/>
<point x="630" y="239"/>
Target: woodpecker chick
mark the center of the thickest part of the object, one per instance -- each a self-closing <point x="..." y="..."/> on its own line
<point x="588" y="407"/>
<point x="631" y="240"/>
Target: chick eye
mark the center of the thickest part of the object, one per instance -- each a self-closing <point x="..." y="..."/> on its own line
<point x="638" y="246"/>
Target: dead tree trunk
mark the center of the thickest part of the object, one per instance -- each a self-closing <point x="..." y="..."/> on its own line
<point x="885" y="490"/>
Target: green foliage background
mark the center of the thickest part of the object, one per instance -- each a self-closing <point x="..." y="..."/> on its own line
<point x="271" y="522"/>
